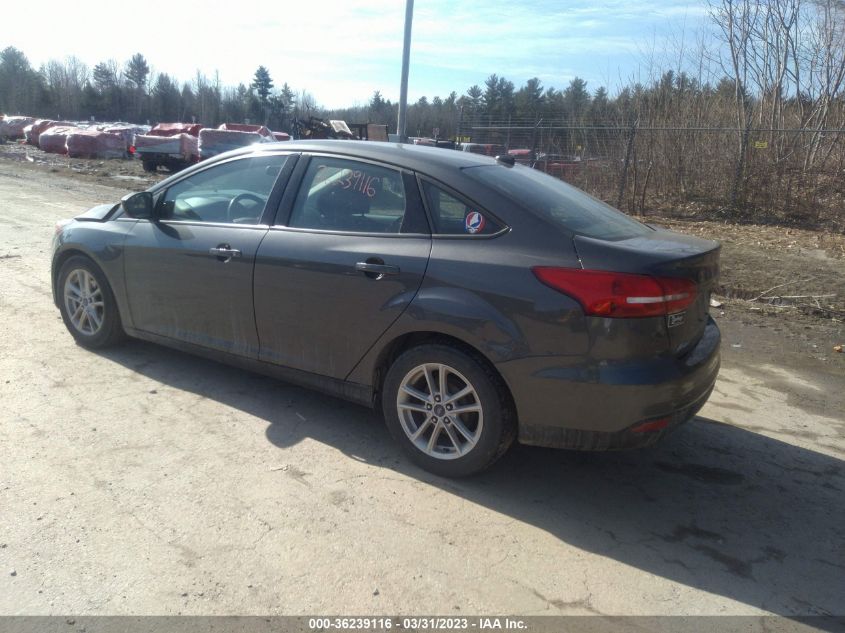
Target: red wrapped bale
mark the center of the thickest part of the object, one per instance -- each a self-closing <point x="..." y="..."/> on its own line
<point x="125" y="131"/>
<point x="173" y="129"/>
<point x="12" y="127"/>
<point x="245" y="127"/>
<point x="95" y="144"/>
<point x="213" y="142"/>
<point x="182" y="144"/>
<point x="40" y="126"/>
<point x="54" y="139"/>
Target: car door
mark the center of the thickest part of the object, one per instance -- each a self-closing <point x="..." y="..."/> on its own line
<point x="341" y="266"/>
<point x="189" y="271"/>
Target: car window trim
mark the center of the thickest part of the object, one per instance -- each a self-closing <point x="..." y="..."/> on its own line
<point x="295" y="184"/>
<point x="422" y="178"/>
<point x="218" y="225"/>
<point x="414" y="199"/>
<point x="296" y="229"/>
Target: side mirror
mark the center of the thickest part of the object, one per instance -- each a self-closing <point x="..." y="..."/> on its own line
<point x="138" y="205"/>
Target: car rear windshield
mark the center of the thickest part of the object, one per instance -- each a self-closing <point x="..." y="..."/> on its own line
<point x="566" y="206"/>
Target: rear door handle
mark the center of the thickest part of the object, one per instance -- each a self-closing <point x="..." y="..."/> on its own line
<point x="372" y="269"/>
<point x="224" y="252"/>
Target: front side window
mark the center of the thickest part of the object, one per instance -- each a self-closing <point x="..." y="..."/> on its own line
<point x="349" y="196"/>
<point x="452" y="216"/>
<point x="233" y="192"/>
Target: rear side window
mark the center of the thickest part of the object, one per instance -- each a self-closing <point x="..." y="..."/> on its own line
<point x="344" y="195"/>
<point x="565" y="205"/>
<point x="452" y="216"/>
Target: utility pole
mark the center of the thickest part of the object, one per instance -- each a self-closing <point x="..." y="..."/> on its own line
<point x="406" y="57"/>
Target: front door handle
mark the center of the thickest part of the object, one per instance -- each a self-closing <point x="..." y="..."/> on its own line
<point x="224" y="252"/>
<point x="376" y="269"/>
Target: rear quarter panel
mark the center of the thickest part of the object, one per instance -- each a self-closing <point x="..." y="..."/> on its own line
<point x="482" y="292"/>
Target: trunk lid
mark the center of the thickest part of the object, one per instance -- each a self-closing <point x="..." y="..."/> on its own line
<point x="662" y="253"/>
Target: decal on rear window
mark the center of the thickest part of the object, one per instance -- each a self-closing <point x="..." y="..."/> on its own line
<point x="452" y="216"/>
<point x="474" y="222"/>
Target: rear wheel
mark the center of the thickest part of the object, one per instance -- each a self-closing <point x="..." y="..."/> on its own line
<point x="447" y="410"/>
<point x="149" y="165"/>
<point x="87" y="304"/>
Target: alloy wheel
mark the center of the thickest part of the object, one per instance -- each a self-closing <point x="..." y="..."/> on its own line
<point x="440" y="411"/>
<point x="84" y="302"/>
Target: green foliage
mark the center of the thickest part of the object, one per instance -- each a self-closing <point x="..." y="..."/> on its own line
<point x="21" y="88"/>
<point x="379" y="110"/>
<point x="105" y="76"/>
<point x="137" y="71"/>
<point x="529" y="98"/>
<point x="474" y="97"/>
<point x="165" y="98"/>
<point x="262" y="83"/>
<point x="576" y="100"/>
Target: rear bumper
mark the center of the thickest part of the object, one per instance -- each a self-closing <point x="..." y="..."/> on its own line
<point x="567" y="402"/>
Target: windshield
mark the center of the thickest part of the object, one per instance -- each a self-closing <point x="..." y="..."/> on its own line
<point x="565" y="205"/>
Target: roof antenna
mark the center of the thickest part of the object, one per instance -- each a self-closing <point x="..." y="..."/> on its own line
<point x="506" y="159"/>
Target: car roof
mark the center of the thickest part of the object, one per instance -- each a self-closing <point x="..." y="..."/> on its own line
<point x="416" y="157"/>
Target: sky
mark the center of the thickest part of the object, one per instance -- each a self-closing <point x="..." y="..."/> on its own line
<point x="342" y="51"/>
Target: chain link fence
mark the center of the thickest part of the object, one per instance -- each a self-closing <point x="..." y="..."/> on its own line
<point x="792" y="176"/>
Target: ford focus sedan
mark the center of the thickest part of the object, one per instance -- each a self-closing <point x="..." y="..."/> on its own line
<point x="471" y="300"/>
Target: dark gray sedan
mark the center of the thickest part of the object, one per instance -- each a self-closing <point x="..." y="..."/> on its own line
<point x="473" y="300"/>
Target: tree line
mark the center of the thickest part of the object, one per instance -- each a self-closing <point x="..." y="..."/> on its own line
<point x="110" y="91"/>
<point x="69" y="89"/>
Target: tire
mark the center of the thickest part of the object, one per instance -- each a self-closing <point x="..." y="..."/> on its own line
<point x="149" y="165"/>
<point x="87" y="304"/>
<point x="175" y="166"/>
<point x="428" y="427"/>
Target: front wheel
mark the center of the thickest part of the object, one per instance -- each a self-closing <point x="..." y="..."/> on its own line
<point x="87" y="304"/>
<point x="447" y="410"/>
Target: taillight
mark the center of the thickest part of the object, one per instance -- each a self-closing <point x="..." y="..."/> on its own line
<point x="619" y="295"/>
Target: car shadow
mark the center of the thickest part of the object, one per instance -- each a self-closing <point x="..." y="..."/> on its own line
<point x="714" y="507"/>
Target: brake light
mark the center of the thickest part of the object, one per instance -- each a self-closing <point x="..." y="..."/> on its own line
<point x="619" y="295"/>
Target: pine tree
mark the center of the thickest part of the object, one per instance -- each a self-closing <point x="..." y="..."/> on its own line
<point x="529" y="99"/>
<point x="576" y="99"/>
<point x="262" y="83"/>
<point x="492" y="98"/>
<point x="474" y="96"/>
<point x="137" y="71"/>
<point x="21" y="88"/>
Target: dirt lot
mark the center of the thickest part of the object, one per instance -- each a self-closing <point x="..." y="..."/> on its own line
<point x="146" y="481"/>
<point x="126" y="174"/>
